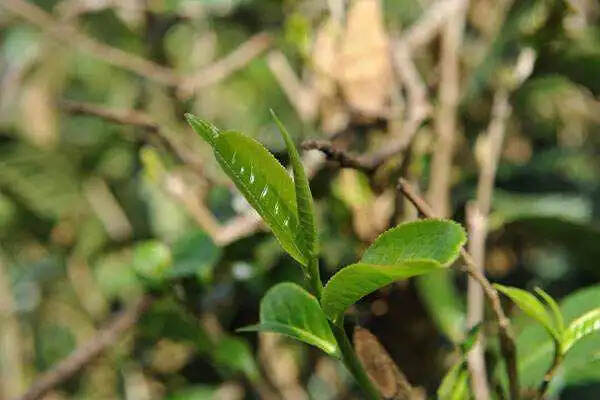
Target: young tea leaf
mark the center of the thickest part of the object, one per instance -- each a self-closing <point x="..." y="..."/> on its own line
<point x="531" y="306"/>
<point x="304" y="200"/>
<point x="586" y="324"/>
<point x="558" y="317"/>
<point x="355" y="281"/>
<point x="427" y="239"/>
<point x="408" y="250"/>
<point x="290" y="310"/>
<point x="260" y="178"/>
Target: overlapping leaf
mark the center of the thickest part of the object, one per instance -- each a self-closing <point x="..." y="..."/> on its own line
<point x="290" y="310"/>
<point x="260" y="178"/>
<point x="532" y="307"/>
<point x="304" y="200"/>
<point x="410" y="249"/>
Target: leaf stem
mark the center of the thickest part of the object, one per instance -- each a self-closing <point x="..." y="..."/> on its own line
<point x="558" y="356"/>
<point x="352" y="362"/>
<point x="314" y="276"/>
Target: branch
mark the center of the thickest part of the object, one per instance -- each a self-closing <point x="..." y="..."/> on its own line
<point x="429" y="24"/>
<point x="344" y="159"/>
<point x="106" y="337"/>
<point x="227" y="65"/>
<point x="138" y="119"/>
<point x="507" y="342"/>
<point x="68" y="34"/>
<point x="302" y="97"/>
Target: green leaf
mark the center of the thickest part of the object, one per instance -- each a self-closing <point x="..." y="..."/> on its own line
<point x="535" y="348"/>
<point x="581" y="327"/>
<point x="194" y="254"/>
<point x="407" y="250"/>
<point x="234" y="355"/>
<point x="443" y="302"/>
<point x="304" y="200"/>
<point x="290" y="310"/>
<point x="355" y="281"/>
<point x="455" y="383"/>
<point x="429" y="239"/>
<point x="558" y="317"/>
<point x="260" y="178"/>
<point x="531" y="306"/>
<point x="151" y="261"/>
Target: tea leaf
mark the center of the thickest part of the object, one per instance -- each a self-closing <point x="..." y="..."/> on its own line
<point x="410" y="249"/>
<point x="290" y="310"/>
<point x="558" y="318"/>
<point x="260" y="178"/>
<point x="530" y="306"/>
<point x="355" y="281"/>
<point x="429" y="239"/>
<point x="586" y="324"/>
<point x="304" y="200"/>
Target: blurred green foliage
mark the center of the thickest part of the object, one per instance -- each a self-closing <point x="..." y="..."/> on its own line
<point x="91" y="210"/>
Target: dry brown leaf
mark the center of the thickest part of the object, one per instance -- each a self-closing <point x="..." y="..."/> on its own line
<point x="380" y="367"/>
<point x="364" y="63"/>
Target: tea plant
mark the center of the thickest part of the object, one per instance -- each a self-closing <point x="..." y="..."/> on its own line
<point x="286" y="205"/>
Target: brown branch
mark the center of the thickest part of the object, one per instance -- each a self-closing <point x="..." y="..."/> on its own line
<point x="301" y="96"/>
<point x="106" y="337"/>
<point x="477" y="216"/>
<point x="344" y="159"/>
<point x="507" y="342"/>
<point x="227" y="65"/>
<point x="237" y="228"/>
<point x="70" y="35"/>
<point x="139" y="119"/>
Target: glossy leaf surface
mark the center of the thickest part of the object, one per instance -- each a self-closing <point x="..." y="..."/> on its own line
<point x="304" y="200"/>
<point x="290" y="310"/>
<point x="260" y="178"/>
<point x="531" y="306"/>
<point x="408" y="250"/>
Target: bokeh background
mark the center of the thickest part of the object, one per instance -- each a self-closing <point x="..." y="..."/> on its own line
<point x="100" y="177"/>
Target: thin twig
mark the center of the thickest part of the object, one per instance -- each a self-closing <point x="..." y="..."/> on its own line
<point x="105" y="338"/>
<point x="477" y="216"/>
<point x="70" y="35"/>
<point x="541" y="393"/>
<point x="235" y="229"/>
<point x="302" y="97"/>
<point x="227" y="65"/>
<point x="438" y="194"/>
<point x="340" y="156"/>
<point x="139" y="119"/>
<point x="429" y="24"/>
<point x="507" y="342"/>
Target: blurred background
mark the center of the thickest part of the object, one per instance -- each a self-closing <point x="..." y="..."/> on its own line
<point x="103" y="185"/>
